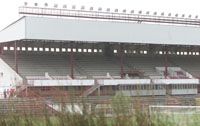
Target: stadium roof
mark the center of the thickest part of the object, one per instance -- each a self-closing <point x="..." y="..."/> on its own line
<point x="63" y="29"/>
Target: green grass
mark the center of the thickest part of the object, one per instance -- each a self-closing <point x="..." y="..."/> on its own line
<point x="123" y="115"/>
<point x="139" y="119"/>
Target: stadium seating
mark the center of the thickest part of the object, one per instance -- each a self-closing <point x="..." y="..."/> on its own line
<point x="187" y="63"/>
<point x="98" y="65"/>
<point x="57" y="65"/>
<point x="145" y="63"/>
<point x="38" y="65"/>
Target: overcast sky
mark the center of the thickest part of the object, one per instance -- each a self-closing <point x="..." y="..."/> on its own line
<point x="9" y="8"/>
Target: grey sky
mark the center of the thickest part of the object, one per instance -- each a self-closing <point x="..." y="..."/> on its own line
<point x="9" y="8"/>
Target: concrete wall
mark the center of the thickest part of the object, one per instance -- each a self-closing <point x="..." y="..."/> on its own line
<point x="8" y="77"/>
<point x="61" y="82"/>
<point x="144" y="92"/>
<point x="183" y="91"/>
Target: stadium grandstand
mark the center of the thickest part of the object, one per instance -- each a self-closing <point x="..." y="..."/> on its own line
<point x="51" y="51"/>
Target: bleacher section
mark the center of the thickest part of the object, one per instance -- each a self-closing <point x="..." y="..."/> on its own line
<point x="190" y="64"/>
<point x="38" y="64"/>
<point x="98" y="65"/>
<point x="145" y="63"/>
<point x="89" y="66"/>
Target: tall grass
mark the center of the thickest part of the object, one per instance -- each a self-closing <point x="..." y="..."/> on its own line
<point x="124" y="113"/>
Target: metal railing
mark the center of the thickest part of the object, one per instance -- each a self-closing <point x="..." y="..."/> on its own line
<point x="107" y="15"/>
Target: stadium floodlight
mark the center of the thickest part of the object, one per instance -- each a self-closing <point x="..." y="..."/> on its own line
<point x="55" y="5"/>
<point x="65" y="6"/>
<point x="46" y="4"/>
<point x="124" y="11"/>
<point x="169" y="14"/>
<point x="155" y="13"/>
<point x="108" y="9"/>
<point x="99" y="9"/>
<point x="73" y="7"/>
<point x="190" y="16"/>
<point x="140" y="12"/>
<point x="82" y="7"/>
<point x="183" y="15"/>
<point x="132" y="11"/>
<point x="25" y="3"/>
<point x="147" y="12"/>
<point x="196" y="16"/>
<point x="91" y="8"/>
<point x="116" y="10"/>
<point x="35" y="4"/>
<point x="176" y="15"/>
<point x="162" y="14"/>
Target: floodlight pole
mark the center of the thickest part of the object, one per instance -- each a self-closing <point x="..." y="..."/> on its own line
<point x="121" y="61"/>
<point x="16" y="56"/>
<point x="72" y="63"/>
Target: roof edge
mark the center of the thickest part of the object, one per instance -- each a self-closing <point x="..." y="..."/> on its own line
<point x="13" y="23"/>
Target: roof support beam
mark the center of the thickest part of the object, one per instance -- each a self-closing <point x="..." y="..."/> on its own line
<point x="166" y="63"/>
<point x="16" y="56"/>
<point x="72" y="62"/>
<point x="121" y="61"/>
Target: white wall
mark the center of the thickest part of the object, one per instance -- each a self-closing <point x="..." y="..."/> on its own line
<point x="110" y="82"/>
<point x="175" y="81"/>
<point x="184" y="91"/>
<point x="61" y="82"/>
<point x="124" y="81"/>
<point x="143" y="92"/>
<point x="8" y="77"/>
<point x="107" y="31"/>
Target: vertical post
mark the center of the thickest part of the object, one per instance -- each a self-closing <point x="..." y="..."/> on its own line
<point x="121" y="62"/>
<point x="166" y="63"/>
<point x="99" y="91"/>
<point x="1" y="50"/>
<point x="16" y="56"/>
<point x="26" y="92"/>
<point x="72" y="63"/>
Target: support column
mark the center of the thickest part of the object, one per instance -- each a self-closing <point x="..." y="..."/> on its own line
<point x="1" y="49"/>
<point x="99" y="91"/>
<point x="72" y="63"/>
<point x="166" y="63"/>
<point x="26" y="92"/>
<point x="121" y="62"/>
<point x="108" y="50"/>
<point x="16" y="56"/>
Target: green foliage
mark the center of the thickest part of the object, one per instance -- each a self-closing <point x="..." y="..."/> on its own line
<point x="124" y="114"/>
<point x="121" y="105"/>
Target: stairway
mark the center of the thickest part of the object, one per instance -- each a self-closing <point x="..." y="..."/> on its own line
<point x="91" y="89"/>
<point x="20" y="89"/>
<point x="40" y="104"/>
